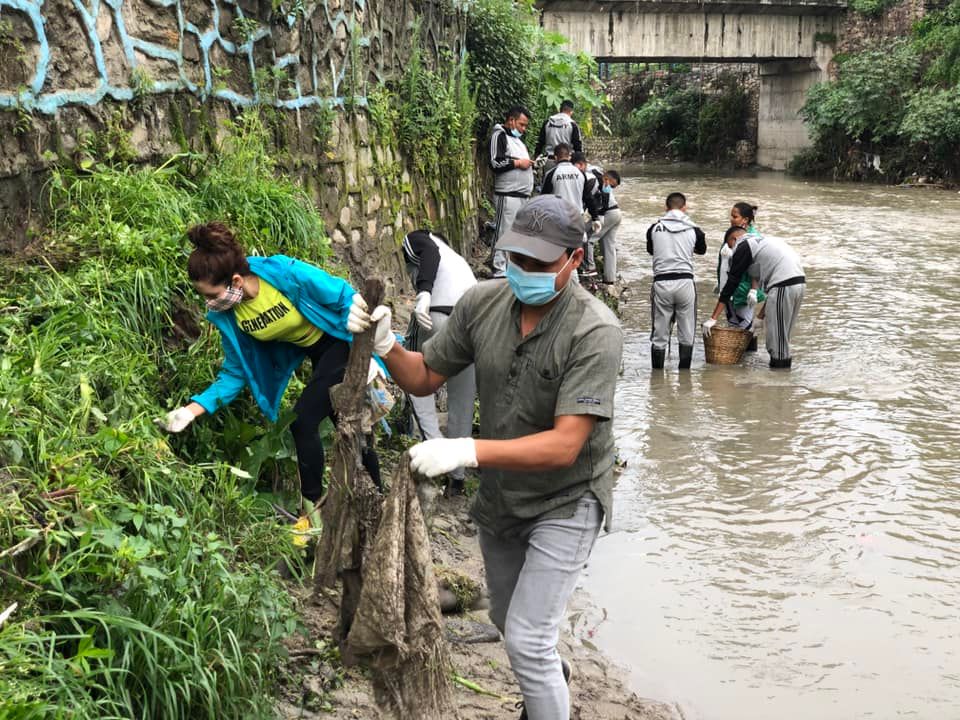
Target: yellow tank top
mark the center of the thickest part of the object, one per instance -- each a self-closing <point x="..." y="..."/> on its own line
<point x="270" y="316"/>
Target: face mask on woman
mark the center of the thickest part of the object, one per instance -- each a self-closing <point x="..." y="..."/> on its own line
<point x="533" y="288"/>
<point x="225" y="300"/>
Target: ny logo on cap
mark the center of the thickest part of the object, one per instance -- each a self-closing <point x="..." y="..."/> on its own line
<point x="537" y="216"/>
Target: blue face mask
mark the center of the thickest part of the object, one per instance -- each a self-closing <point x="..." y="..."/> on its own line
<point x="533" y="288"/>
<point x="516" y="133"/>
<point x="607" y="189"/>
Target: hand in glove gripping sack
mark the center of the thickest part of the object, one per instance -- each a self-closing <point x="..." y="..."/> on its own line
<point x="422" y="310"/>
<point x="359" y="319"/>
<point x="752" y="298"/>
<point x="708" y="327"/>
<point x="177" y="420"/>
<point x="443" y="455"/>
<point x="384" y="339"/>
<point x="595" y="226"/>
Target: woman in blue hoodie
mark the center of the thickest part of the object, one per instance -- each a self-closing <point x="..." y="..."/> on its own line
<point x="271" y="313"/>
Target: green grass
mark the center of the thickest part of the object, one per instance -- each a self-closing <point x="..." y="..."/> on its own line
<point x="151" y="591"/>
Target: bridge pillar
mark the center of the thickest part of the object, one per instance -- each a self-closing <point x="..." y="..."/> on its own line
<point x="781" y="133"/>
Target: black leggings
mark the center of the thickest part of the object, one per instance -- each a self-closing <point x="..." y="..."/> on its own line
<point x="329" y="357"/>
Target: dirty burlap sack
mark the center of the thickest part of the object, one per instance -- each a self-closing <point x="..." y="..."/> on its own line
<point x="398" y="628"/>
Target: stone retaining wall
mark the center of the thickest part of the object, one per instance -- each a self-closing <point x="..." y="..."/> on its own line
<point x="165" y="73"/>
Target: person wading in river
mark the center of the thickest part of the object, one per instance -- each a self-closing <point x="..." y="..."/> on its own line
<point x="673" y="240"/>
<point x="547" y="354"/>
<point x="781" y="275"/>
<point x="271" y="313"/>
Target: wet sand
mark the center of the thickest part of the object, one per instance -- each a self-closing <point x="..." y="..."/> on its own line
<point x="597" y="688"/>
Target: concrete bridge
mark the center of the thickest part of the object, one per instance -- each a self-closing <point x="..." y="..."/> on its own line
<point x="791" y="40"/>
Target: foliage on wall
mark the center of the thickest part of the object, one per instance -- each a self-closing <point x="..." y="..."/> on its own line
<point x="892" y="110"/>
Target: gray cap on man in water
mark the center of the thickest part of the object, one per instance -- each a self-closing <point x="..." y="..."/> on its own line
<point x="543" y="228"/>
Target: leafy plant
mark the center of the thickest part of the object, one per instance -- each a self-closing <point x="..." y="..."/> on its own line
<point x="143" y="563"/>
<point x="245" y="28"/>
<point x="500" y="37"/>
<point x="869" y="98"/>
<point x="141" y="82"/>
<point x="872" y="8"/>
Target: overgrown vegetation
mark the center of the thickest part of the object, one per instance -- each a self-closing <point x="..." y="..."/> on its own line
<point x="141" y="564"/>
<point x="892" y="112"/>
<point x="514" y="61"/>
<point x="684" y="121"/>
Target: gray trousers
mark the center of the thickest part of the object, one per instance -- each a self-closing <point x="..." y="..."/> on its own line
<point x="673" y="300"/>
<point x="506" y="208"/>
<point x="461" y="391"/>
<point x="607" y="237"/>
<point x="782" y="308"/>
<point x="530" y="578"/>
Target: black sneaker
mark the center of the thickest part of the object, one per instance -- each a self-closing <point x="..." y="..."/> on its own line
<point x="567" y="674"/>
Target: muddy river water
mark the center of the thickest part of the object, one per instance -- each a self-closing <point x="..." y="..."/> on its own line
<point x="787" y="544"/>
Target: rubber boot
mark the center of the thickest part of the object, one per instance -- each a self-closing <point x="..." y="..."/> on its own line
<point x="752" y="345"/>
<point x="657" y="356"/>
<point x="686" y="355"/>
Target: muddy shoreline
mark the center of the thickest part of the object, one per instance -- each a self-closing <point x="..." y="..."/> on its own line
<point x="319" y="689"/>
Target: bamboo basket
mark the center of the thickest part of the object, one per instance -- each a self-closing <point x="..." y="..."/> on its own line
<point x="726" y="345"/>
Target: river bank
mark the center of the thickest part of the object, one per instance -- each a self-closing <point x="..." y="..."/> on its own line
<point x="319" y="689"/>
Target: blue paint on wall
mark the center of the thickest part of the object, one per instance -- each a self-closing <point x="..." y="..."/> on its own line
<point x="38" y="97"/>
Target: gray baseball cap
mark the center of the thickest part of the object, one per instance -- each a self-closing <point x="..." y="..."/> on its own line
<point x="543" y="228"/>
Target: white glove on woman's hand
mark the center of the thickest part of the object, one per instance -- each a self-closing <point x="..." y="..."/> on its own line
<point x="384" y="339"/>
<point x="708" y="327"/>
<point x="359" y="319"/>
<point x="422" y="311"/>
<point x="177" y="420"/>
<point x="595" y="226"/>
<point x="752" y="298"/>
<point x="443" y="455"/>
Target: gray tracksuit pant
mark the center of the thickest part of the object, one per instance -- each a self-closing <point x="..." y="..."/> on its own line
<point x="506" y="208"/>
<point x="461" y="391"/>
<point x="530" y="577"/>
<point x="607" y="237"/>
<point x="673" y="300"/>
<point x="782" y="308"/>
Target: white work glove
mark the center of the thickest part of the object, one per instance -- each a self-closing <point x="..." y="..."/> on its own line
<point x="375" y="371"/>
<point x="443" y="455"/>
<point x="726" y="251"/>
<point x="384" y="339"/>
<point x="595" y="226"/>
<point x="177" y="420"/>
<point x="757" y="327"/>
<point x="359" y="319"/>
<point x="708" y="327"/>
<point x="752" y="298"/>
<point x="422" y="311"/>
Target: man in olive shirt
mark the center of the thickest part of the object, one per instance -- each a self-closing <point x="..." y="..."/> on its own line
<point x="547" y="354"/>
